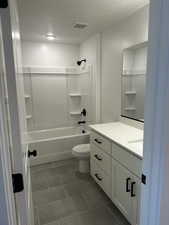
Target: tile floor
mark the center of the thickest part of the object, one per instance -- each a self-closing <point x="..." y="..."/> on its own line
<point x="62" y="196"/>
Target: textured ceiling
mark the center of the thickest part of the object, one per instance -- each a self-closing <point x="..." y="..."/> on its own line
<point x="38" y="17"/>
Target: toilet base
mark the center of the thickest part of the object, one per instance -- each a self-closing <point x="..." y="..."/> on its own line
<point x="84" y="165"/>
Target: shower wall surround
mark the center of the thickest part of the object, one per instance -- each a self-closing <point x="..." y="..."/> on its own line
<point x="54" y="97"/>
<point x="56" y="89"/>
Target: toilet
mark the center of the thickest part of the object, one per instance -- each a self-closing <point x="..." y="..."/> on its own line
<point x="82" y="153"/>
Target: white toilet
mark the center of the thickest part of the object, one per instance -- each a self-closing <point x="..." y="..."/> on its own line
<point x="82" y="153"/>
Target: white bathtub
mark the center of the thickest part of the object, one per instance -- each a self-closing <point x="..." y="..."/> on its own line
<point x="55" y="144"/>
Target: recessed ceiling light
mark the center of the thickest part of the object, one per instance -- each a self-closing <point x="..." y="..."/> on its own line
<point x="50" y="34"/>
<point x="50" y="37"/>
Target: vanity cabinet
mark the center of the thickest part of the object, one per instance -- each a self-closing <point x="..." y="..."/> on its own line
<point x="101" y="178"/>
<point x="100" y="161"/>
<point x="101" y="142"/>
<point x="117" y="172"/>
<point x="125" y="192"/>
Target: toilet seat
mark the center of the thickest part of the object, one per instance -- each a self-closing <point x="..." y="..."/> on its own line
<point x="82" y="150"/>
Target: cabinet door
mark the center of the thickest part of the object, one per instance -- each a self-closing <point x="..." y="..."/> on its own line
<point x="121" y="184"/>
<point x="135" y="200"/>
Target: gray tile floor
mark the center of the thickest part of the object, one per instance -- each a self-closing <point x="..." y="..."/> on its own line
<point x="62" y="196"/>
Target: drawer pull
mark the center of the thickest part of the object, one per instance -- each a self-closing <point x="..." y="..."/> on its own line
<point x="127" y="184"/>
<point x="32" y="153"/>
<point x="132" y="189"/>
<point x="98" y="158"/>
<point x="97" y="176"/>
<point x="97" y="141"/>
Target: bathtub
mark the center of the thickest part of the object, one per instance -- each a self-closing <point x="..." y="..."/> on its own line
<point x="55" y="144"/>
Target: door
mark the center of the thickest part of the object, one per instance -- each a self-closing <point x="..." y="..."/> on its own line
<point x="7" y="200"/>
<point x="121" y="183"/>
<point x="14" y="110"/>
<point x="126" y="192"/>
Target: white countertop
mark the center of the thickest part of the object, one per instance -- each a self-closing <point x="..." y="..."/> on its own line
<point x="124" y="135"/>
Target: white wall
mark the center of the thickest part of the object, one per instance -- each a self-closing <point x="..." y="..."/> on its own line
<point x="128" y="32"/>
<point x="49" y="54"/>
<point x="91" y="50"/>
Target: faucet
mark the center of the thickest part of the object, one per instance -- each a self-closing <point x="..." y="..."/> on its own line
<point x="81" y="122"/>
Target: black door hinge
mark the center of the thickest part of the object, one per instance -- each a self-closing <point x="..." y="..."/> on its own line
<point x="17" y="180"/>
<point x="3" y="3"/>
<point x="143" y="179"/>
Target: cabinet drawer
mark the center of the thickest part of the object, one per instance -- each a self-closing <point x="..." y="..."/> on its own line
<point x="101" y="178"/>
<point x="130" y="161"/>
<point x="102" y="159"/>
<point x="101" y="142"/>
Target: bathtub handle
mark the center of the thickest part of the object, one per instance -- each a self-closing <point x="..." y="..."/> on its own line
<point x="97" y="157"/>
<point x="96" y="140"/>
<point x="32" y="153"/>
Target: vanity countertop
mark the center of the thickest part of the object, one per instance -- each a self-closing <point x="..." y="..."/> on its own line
<point x="124" y="135"/>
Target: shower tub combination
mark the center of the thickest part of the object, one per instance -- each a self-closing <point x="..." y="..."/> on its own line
<point x="55" y="144"/>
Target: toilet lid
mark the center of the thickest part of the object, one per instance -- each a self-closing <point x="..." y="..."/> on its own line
<point x="83" y="149"/>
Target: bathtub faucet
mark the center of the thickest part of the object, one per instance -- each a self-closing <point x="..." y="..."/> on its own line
<point x="81" y="122"/>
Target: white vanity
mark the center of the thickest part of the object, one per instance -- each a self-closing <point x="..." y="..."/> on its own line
<point x="116" y="165"/>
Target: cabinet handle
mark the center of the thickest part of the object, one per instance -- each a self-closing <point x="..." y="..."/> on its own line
<point x="97" y="157"/>
<point x="97" y="176"/>
<point x="132" y="189"/>
<point x="32" y="153"/>
<point x="127" y="184"/>
<point x="97" y="141"/>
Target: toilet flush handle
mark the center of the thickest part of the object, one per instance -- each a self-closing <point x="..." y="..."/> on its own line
<point x="98" y="141"/>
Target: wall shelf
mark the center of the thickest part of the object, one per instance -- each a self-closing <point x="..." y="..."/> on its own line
<point x="78" y="113"/>
<point x="130" y="109"/>
<point x="28" y="117"/>
<point x="51" y="70"/>
<point x="134" y="73"/>
<point x="130" y="93"/>
<point x="27" y="96"/>
<point x="75" y="95"/>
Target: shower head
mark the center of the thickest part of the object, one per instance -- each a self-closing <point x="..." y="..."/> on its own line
<point x="80" y="62"/>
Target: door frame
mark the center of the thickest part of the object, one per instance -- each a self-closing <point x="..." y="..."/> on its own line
<point x="13" y="69"/>
<point x="8" y="211"/>
<point x="154" y="201"/>
<point x="155" y="197"/>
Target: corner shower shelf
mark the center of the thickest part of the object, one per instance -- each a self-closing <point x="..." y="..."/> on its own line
<point x="130" y="109"/>
<point x="27" y="96"/>
<point x="78" y="113"/>
<point x="51" y="70"/>
<point x="75" y="95"/>
<point x="28" y="117"/>
<point x="134" y="72"/>
<point x="130" y="93"/>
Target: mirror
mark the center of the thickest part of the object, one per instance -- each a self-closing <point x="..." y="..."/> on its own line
<point x="133" y="81"/>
